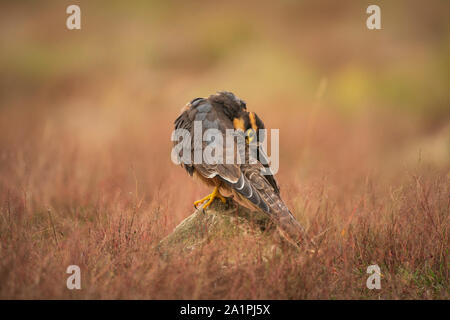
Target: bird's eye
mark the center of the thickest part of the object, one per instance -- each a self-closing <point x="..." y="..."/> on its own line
<point x="250" y="133"/>
<point x="244" y="105"/>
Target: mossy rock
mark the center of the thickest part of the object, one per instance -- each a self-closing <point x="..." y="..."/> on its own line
<point x="218" y="222"/>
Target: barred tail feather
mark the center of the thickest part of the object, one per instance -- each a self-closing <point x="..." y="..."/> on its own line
<point x="245" y="188"/>
<point x="270" y="202"/>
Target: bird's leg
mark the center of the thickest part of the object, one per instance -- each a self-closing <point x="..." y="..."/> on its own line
<point x="210" y="198"/>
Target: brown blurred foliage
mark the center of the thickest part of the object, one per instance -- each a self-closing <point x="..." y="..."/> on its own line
<point x="85" y="124"/>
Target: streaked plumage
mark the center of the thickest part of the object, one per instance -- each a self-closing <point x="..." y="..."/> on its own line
<point x="244" y="181"/>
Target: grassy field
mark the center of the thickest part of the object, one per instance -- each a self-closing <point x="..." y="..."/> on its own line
<point x="86" y="117"/>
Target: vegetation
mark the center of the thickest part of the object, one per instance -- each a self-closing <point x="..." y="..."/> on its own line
<point x="85" y="124"/>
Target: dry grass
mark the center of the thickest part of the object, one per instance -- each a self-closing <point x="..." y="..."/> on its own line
<point x="86" y="176"/>
<point x="104" y="209"/>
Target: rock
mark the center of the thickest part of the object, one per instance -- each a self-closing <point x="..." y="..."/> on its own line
<point x="218" y="222"/>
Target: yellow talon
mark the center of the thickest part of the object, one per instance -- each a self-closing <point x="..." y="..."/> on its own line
<point x="210" y="198"/>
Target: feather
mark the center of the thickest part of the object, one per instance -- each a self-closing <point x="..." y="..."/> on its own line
<point x="224" y="111"/>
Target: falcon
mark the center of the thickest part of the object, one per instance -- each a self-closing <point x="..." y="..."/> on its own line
<point x="245" y="181"/>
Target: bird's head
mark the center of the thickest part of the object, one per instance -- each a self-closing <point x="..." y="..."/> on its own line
<point x="236" y="109"/>
<point x="232" y="104"/>
<point x="252" y="125"/>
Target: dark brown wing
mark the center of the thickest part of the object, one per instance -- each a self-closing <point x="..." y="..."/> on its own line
<point x="257" y="189"/>
<point x="262" y="189"/>
<point x="211" y="116"/>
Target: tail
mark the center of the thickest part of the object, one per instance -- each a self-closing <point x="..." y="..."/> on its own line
<point x="291" y="229"/>
<point x="263" y="196"/>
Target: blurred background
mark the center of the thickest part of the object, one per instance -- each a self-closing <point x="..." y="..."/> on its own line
<point x="344" y="97"/>
<point x="86" y="115"/>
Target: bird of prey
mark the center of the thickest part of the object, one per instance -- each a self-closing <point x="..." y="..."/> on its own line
<point x="244" y="181"/>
